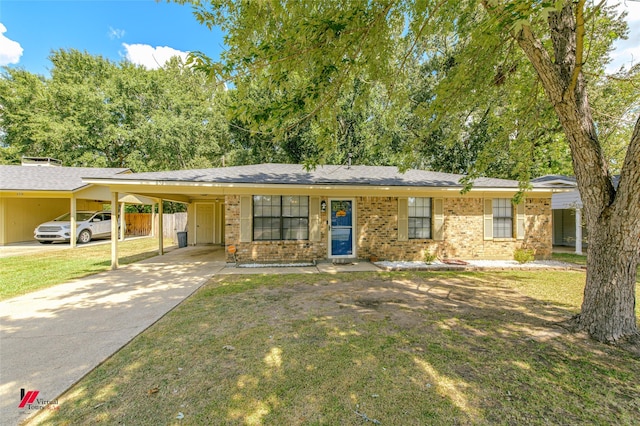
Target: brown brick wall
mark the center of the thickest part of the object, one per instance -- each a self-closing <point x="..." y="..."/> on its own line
<point x="269" y="251"/>
<point x="377" y="234"/>
<point x="463" y="229"/>
<point x="538" y="227"/>
<point x="538" y="231"/>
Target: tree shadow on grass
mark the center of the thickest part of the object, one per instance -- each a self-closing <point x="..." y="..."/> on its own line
<point x="410" y="348"/>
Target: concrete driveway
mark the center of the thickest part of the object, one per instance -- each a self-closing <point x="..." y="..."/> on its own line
<point x="51" y="338"/>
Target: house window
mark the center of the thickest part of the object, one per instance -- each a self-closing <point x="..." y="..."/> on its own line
<point x="280" y="217"/>
<point x="502" y="218"/>
<point x="295" y="218"/>
<point x="419" y="218"/>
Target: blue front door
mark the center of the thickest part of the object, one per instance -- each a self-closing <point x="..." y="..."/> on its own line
<point x="341" y="228"/>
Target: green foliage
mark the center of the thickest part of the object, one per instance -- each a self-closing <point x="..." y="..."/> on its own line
<point x="167" y="208"/>
<point x="362" y="128"/>
<point x="616" y="103"/>
<point x="21" y="94"/>
<point x="522" y="255"/>
<point x="388" y="83"/>
<point x="429" y="257"/>
<point x="415" y="84"/>
<point x="93" y="112"/>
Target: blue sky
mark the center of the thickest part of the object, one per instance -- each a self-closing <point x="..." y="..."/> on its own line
<point x="145" y="32"/>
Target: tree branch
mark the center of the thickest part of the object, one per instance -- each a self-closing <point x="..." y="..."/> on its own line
<point x="419" y="34"/>
<point x="571" y="106"/>
<point x="340" y="81"/>
<point x="627" y="195"/>
<point x="541" y="61"/>
<point x="579" y="45"/>
<point x="595" y="10"/>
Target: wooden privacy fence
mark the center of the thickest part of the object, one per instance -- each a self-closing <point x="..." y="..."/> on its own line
<point x="138" y="223"/>
<point x="141" y="223"/>
<point x="172" y="223"/>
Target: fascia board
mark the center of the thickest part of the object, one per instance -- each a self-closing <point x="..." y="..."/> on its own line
<point x="121" y="183"/>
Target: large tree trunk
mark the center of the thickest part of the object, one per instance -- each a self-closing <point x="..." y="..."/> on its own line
<point x="613" y="225"/>
<point x="608" y="307"/>
<point x="612" y="214"/>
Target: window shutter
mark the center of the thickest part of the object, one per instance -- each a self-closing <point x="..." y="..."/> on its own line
<point x="520" y="221"/>
<point x="403" y="219"/>
<point x="488" y="219"/>
<point x="314" y="218"/>
<point x="438" y="219"/>
<point x="245" y="218"/>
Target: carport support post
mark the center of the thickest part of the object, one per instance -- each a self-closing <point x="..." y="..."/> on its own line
<point x="122" y="222"/>
<point x="73" y="226"/>
<point x="578" y="230"/>
<point x="153" y="220"/>
<point x="114" y="230"/>
<point x="160" y="228"/>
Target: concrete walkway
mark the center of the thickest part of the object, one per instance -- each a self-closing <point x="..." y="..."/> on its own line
<point x="51" y="338"/>
<point x="321" y="267"/>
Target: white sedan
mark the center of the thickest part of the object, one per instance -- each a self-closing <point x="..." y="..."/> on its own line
<point x="89" y="225"/>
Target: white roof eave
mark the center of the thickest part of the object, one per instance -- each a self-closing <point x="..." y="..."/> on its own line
<point x="328" y="187"/>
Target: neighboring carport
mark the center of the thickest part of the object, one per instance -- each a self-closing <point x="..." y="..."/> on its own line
<point x="32" y="194"/>
<point x="568" y="227"/>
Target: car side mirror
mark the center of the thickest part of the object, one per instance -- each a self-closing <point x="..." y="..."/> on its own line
<point x="95" y="219"/>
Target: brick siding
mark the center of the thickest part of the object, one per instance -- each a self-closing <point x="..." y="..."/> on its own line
<point x="377" y="234"/>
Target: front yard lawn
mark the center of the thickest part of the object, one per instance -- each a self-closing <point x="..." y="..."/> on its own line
<point x="578" y="259"/>
<point x="26" y="273"/>
<point x="581" y="259"/>
<point x="400" y="348"/>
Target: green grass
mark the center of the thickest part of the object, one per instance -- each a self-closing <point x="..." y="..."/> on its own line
<point x="26" y="273"/>
<point x="408" y="348"/>
<point x="580" y="259"/>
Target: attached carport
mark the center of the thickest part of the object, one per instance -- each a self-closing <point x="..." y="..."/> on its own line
<point x="205" y="205"/>
<point x="33" y="194"/>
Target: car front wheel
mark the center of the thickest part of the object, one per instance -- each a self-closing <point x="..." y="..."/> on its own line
<point x="84" y="237"/>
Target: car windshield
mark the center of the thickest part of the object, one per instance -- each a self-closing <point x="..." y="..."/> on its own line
<point x="80" y="217"/>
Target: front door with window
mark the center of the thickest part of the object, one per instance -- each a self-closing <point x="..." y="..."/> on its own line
<point x="341" y="230"/>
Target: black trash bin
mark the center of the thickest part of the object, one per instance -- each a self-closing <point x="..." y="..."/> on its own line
<point x="182" y="239"/>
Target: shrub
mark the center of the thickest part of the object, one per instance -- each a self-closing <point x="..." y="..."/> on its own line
<point x="523" y="255"/>
<point x="429" y="257"/>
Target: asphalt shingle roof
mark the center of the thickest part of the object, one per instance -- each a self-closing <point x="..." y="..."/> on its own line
<point x="556" y="179"/>
<point x="43" y="178"/>
<point x="567" y="180"/>
<point x="322" y="175"/>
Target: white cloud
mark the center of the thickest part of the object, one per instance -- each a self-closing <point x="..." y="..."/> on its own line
<point x="10" y="51"/>
<point x="115" y="33"/>
<point x="151" y="57"/>
<point x="627" y="52"/>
